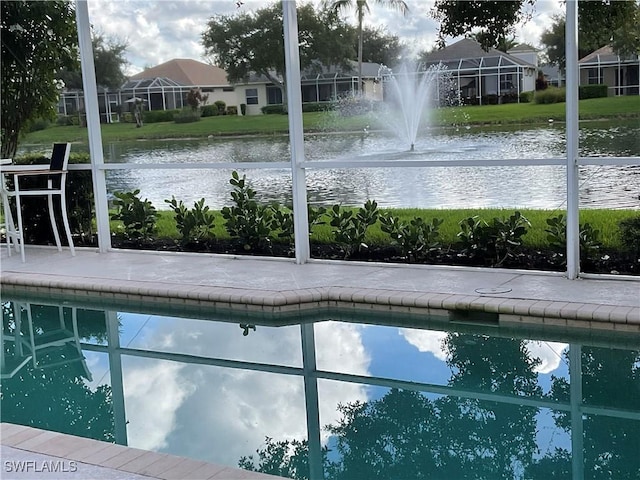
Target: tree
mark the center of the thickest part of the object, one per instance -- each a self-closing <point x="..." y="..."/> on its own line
<point x="600" y="23"/>
<point x="109" y="59"/>
<point x="247" y="43"/>
<point x="492" y="21"/>
<point x="378" y="46"/>
<point x="38" y="40"/>
<point x="361" y="7"/>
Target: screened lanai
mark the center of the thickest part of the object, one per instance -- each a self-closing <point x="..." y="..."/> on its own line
<point x="484" y="76"/>
<point x="159" y="93"/>
<point x="298" y="173"/>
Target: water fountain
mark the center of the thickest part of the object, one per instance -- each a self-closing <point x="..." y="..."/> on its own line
<point x="410" y="96"/>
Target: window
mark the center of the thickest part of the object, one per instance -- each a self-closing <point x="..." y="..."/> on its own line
<point x="252" y="96"/>
<point x="594" y="76"/>
<point x="274" y="95"/>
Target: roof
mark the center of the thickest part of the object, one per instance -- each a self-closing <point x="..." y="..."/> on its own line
<point x="469" y="49"/>
<point x="185" y="71"/>
<point x="523" y="47"/>
<point x="606" y="55"/>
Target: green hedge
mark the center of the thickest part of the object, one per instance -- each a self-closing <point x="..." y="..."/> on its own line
<point x="592" y="91"/>
<point x="273" y="109"/>
<point x="156" y="116"/>
<point x="550" y="95"/>
<point x="526" y="97"/>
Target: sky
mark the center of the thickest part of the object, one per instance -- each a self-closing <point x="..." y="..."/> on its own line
<point x="160" y="30"/>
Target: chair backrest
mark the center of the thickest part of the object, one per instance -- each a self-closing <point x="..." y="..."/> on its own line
<point x="60" y="156"/>
<point x="59" y="161"/>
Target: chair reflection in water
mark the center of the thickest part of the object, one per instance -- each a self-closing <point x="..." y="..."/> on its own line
<point x="56" y="176"/>
<point x="50" y="340"/>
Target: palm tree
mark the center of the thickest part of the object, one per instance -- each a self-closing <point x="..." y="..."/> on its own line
<point x="361" y="7"/>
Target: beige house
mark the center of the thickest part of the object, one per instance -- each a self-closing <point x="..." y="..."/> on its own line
<point x="620" y="74"/>
<point x="165" y="87"/>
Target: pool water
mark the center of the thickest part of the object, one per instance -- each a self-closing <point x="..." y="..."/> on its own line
<point x="335" y="394"/>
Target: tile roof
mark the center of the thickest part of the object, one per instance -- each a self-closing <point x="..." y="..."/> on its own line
<point x="468" y="48"/>
<point x="186" y="72"/>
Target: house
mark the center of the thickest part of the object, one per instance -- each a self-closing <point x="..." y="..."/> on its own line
<point x="489" y="76"/>
<point x="165" y="86"/>
<point x="604" y="66"/>
<point x="318" y="83"/>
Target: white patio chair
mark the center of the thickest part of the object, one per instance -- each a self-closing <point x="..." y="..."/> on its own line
<point x="56" y="183"/>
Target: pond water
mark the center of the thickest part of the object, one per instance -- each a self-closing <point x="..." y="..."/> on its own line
<point x="419" y="187"/>
<point x="398" y="396"/>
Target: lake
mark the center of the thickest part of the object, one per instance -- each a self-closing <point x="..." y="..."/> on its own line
<point x="541" y="186"/>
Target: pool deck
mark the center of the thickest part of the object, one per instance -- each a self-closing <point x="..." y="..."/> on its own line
<point x="272" y="285"/>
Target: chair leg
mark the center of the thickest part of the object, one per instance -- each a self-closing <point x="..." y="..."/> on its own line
<point x="20" y="232"/>
<point x="65" y="220"/>
<point x="54" y="225"/>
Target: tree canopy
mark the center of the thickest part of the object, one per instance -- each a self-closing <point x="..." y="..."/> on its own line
<point x="109" y="59"/>
<point x="492" y="21"/>
<point x="249" y="42"/>
<point x="38" y="40"/>
<point x="361" y="7"/>
<point x="600" y="23"/>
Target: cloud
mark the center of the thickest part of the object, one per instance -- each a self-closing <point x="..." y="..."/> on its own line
<point x="160" y="30"/>
<point x="221" y="414"/>
<point x="549" y="353"/>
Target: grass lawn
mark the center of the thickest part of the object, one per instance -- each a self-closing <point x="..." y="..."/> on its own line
<point x="511" y="114"/>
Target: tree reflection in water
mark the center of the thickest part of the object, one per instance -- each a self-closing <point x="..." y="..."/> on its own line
<point x="405" y="434"/>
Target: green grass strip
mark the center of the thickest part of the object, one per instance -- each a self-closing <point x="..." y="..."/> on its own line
<point x="231" y="125"/>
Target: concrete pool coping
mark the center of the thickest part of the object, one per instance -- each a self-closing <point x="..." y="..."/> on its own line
<point x="276" y="285"/>
<point x="32" y="453"/>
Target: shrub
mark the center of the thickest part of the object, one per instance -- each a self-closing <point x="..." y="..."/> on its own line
<point x="186" y="115"/>
<point x="195" y="224"/>
<point x="490" y="99"/>
<point x="350" y="230"/>
<point x="157" y="116"/>
<point x="526" y="97"/>
<point x="243" y="109"/>
<point x="246" y="220"/>
<point x="283" y="220"/>
<point x="210" y="111"/>
<point x="316" y="106"/>
<point x="630" y="234"/>
<point x="588" y="236"/>
<point x="37" y="125"/>
<point x="273" y="109"/>
<point x="592" y="91"/>
<point x="495" y="241"/>
<point x="509" y="98"/>
<point x="67" y="120"/>
<point x="221" y="106"/>
<point x="137" y="216"/>
<point x="232" y="110"/>
<point x="550" y="95"/>
<point x="416" y="239"/>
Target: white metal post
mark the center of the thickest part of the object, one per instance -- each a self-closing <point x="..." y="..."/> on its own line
<point x="296" y="131"/>
<point x="93" y="125"/>
<point x="575" y="396"/>
<point x="573" y="214"/>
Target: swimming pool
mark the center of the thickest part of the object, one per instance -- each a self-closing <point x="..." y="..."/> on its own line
<point x="335" y="393"/>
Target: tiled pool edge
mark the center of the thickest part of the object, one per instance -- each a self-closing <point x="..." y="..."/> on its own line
<point x="508" y="310"/>
<point x="122" y="459"/>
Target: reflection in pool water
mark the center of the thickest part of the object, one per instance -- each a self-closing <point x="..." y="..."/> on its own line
<point x="344" y="394"/>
